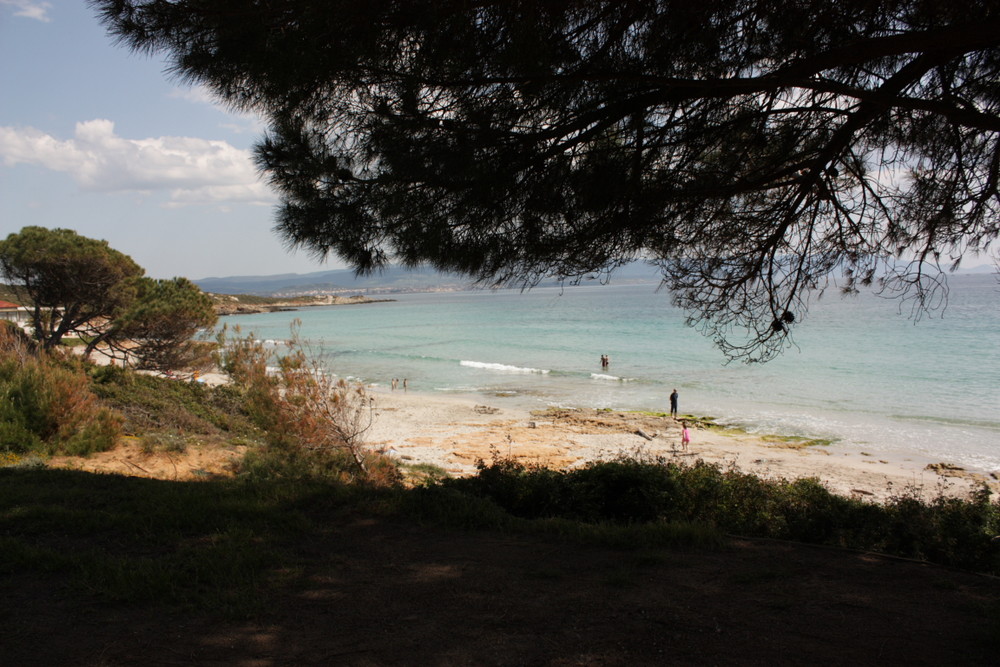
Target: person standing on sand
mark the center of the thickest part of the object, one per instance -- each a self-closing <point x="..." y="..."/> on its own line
<point x="685" y="437"/>
<point x="673" y="404"/>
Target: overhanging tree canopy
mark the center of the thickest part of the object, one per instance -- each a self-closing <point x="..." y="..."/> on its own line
<point x="751" y="148"/>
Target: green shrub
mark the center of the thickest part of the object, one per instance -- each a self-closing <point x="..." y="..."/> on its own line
<point x="950" y="531"/>
<point x="422" y="474"/>
<point x="14" y="434"/>
<point x="528" y="491"/>
<point x="149" y="402"/>
<point x="271" y="463"/>
<point x="624" y="491"/>
<point x="164" y="441"/>
<point x="48" y="407"/>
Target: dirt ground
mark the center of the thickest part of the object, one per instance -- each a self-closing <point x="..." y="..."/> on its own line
<point x="374" y="593"/>
<point x="131" y="458"/>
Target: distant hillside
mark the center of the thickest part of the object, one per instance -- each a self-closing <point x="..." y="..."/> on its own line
<point x="396" y="280"/>
<point x="334" y="282"/>
<point x="7" y="294"/>
<point x="392" y="280"/>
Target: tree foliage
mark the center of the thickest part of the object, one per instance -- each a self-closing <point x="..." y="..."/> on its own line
<point x="71" y="280"/>
<point x="751" y="148"/>
<point x="84" y="287"/>
<point x="157" y="329"/>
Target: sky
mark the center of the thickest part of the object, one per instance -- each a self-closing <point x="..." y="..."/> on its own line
<point x="103" y="141"/>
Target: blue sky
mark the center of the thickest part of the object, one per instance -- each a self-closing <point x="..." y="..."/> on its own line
<point x="101" y="140"/>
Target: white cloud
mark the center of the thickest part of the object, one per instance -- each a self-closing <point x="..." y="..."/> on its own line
<point x="256" y="193"/>
<point x="30" y="9"/>
<point x="243" y="123"/>
<point x="190" y="170"/>
<point x="197" y="94"/>
<point x="249" y="127"/>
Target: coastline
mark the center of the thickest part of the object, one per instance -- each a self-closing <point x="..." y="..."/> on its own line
<point x="860" y="375"/>
<point x="454" y="432"/>
<point x="227" y="304"/>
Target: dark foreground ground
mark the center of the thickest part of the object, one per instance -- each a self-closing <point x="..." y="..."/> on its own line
<point x="375" y="593"/>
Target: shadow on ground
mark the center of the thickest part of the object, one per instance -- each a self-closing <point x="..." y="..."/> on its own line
<point x="364" y="591"/>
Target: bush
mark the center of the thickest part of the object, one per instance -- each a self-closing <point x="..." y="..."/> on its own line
<point x="295" y="464"/>
<point x="150" y="403"/>
<point x="950" y="531"/>
<point x="624" y="490"/>
<point x="314" y="423"/>
<point x="47" y="407"/>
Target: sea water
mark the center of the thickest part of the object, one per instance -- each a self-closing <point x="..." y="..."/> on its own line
<point x="862" y="372"/>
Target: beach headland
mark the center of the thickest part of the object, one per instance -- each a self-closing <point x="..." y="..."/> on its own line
<point x="242" y="304"/>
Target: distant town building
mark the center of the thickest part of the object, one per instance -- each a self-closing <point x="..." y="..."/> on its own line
<point x="13" y="312"/>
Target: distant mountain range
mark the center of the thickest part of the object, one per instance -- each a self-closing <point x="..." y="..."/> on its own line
<point x="392" y="280"/>
<point x="331" y="282"/>
<point x="398" y="280"/>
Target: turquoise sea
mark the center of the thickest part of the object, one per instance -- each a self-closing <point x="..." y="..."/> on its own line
<point x="862" y="372"/>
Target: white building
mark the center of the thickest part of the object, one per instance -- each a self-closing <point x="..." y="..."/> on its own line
<point x="14" y="313"/>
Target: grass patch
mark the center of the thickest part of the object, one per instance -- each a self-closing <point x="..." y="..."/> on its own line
<point x="206" y="545"/>
<point x="991" y="613"/>
<point x="161" y="406"/>
<point x="416" y="474"/>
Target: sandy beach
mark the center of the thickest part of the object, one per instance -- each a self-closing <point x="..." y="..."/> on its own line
<point x="455" y="432"/>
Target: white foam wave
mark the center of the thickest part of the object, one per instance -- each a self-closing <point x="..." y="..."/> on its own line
<point x="503" y="368"/>
<point x="609" y="378"/>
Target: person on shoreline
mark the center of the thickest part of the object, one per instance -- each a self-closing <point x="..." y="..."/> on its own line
<point x="673" y="404"/>
<point x="685" y="437"/>
<point x="605" y="361"/>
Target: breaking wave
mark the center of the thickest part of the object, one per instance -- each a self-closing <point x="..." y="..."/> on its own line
<point x="503" y="368"/>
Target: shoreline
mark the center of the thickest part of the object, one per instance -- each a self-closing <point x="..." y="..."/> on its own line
<point x="541" y="348"/>
<point x="453" y="432"/>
